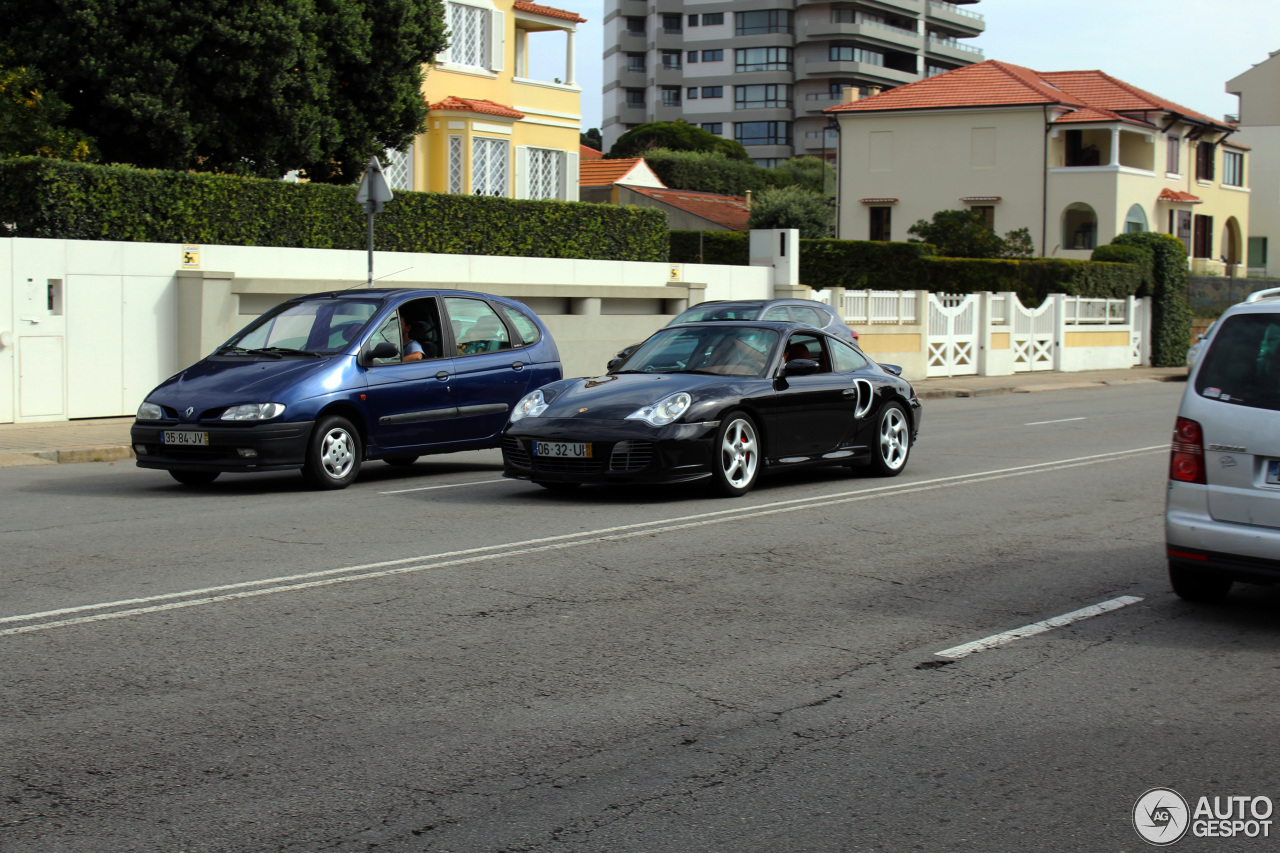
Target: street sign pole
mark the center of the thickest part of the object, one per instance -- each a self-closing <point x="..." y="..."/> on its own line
<point x="373" y="194"/>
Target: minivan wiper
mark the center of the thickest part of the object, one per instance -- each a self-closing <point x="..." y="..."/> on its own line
<point x="286" y="351"/>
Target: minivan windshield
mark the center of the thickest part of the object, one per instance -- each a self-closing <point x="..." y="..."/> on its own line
<point x="1242" y="365"/>
<point x="314" y="326"/>
<point x="723" y="350"/>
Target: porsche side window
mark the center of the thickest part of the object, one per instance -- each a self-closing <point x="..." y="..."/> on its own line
<point x="809" y="346"/>
<point x="845" y="359"/>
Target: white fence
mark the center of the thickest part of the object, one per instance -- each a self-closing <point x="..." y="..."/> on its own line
<point x="992" y="334"/>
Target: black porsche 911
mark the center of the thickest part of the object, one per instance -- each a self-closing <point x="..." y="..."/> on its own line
<point x="725" y="401"/>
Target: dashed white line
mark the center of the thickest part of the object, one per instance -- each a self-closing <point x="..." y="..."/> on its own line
<point x="1059" y="421"/>
<point x="957" y="652"/>
<point x="386" y="568"/>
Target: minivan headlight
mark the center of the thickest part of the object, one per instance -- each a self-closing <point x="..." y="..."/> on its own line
<point x="150" y="412"/>
<point x="253" y="412"/>
<point x="664" y="411"/>
<point x="530" y="406"/>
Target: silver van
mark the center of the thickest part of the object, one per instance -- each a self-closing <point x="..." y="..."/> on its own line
<point x="1222" y="515"/>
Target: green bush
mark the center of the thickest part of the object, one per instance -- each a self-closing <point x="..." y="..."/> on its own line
<point x="1165" y="280"/>
<point x="58" y="199"/>
<point x="709" y="172"/>
<point x="793" y="207"/>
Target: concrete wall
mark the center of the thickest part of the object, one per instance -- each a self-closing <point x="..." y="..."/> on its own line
<point x="87" y="329"/>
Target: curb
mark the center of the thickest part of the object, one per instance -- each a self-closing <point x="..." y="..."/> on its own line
<point x="946" y="393"/>
<point x="114" y="453"/>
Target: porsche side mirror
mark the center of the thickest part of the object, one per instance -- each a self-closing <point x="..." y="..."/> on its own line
<point x="800" y="367"/>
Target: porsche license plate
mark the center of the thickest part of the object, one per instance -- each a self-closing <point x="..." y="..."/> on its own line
<point x="185" y="438"/>
<point x="563" y="449"/>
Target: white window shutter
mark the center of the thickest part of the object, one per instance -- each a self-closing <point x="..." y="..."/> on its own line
<point x="498" y="50"/>
<point x="443" y="56"/>
<point x="522" y="171"/>
<point x="569" y="177"/>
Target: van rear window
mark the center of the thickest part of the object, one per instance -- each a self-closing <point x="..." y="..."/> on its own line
<point x="1242" y="365"/>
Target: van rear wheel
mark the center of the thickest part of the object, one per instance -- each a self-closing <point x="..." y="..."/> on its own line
<point x="1198" y="585"/>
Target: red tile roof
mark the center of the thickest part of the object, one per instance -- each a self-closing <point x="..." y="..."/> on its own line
<point x="1167" y="194"/>
<point x="731" y="211"/>
<point x="534" y="8"/>
<point x="586" y="152"/>
<point x="598" y="173"/>
<point x="1092" y="95"/>
<point x="474" y="105"/>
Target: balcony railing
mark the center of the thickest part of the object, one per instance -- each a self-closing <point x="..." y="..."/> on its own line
<point x="955" y="45"/>
<point x="954" y="10"/>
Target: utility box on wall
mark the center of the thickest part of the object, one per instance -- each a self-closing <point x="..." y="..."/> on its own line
<point x="778" y="248"/>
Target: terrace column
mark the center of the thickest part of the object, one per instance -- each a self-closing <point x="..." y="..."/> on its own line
<point x="1115" y="146"/>
<point x="568" y="60"/>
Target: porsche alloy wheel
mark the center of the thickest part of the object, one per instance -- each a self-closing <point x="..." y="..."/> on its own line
<point x="737" y="455"/>
<point x="892" y="442"/>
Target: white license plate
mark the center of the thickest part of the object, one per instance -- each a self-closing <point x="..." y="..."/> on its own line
<point x="185" y="438"/>
<point x="563" y="449"/>
<point x="1273" y="472"/>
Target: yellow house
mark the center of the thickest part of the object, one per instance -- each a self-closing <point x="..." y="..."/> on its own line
<point x="491" y="128"/>
<point x="1076" y="157"/>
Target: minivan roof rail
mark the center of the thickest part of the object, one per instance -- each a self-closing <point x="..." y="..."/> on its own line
<point x="1259" y="295"/>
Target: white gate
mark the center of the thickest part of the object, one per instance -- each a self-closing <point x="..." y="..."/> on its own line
<point x="953" y="335"/>
<point x="1033" y="331"/>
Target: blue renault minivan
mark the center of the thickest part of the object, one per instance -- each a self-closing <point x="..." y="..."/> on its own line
<point x="324" y="382"/>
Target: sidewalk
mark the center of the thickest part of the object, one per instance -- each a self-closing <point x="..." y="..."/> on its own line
<point x="107" y="439"/>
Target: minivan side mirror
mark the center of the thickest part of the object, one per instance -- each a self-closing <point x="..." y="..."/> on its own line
<point x="385" y="349"/>
<point x="613" y="364"/>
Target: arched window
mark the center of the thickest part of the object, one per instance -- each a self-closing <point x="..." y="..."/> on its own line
<point x="1135" y="220"/>
<point x="1079" y="227"/>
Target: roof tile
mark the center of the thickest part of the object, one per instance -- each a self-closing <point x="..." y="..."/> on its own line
<point x="536" y="9"/>
<point x="731" y="211"/>
<point x="475" y="105"/>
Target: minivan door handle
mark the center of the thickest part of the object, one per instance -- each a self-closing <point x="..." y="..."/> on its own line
<point x="442" y="375"/>
<point x="517" y="365"/>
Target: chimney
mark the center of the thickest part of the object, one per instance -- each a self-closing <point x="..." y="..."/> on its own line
<point x="872" y="91"/>
<point x="748" y="198"/>
<point x="849" y="94"/>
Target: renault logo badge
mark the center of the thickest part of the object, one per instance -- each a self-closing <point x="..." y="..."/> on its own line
<point x="190" y="409"/>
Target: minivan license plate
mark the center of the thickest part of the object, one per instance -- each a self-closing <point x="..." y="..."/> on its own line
<point x="1273" y="472"/>
<point x="563" y="449"/>
<point x="185" y="438"/>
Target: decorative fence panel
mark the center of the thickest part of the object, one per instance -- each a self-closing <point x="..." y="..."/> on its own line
<point x="953" y="331"/>
<point x="1033" y="334"/>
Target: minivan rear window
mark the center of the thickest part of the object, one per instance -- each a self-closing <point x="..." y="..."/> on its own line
<point x="1242" y="365"/>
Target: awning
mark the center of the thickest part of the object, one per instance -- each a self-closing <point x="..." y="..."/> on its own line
<point x="1177" y="197"/>
<point x="878" y="200"/>
<point x="980" y="199"/>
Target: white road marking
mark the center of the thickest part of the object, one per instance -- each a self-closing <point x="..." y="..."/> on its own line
<point x="1059" y="421"/>
<point x="449" y="486"/>
<point x="387" y="568"/>
<point x="957" y="652"/>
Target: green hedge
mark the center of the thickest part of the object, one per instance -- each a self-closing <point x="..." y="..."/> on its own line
<point x="59" y="199"/>
<point x="727" y="248"/>
<point x="863" y="264"/>
<point x="1165" y="279"/>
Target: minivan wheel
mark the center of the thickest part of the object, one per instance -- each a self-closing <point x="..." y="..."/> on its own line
<point x="736" y="456"/>
<point x="194" y="478"/>
<point x="1198" y="585"/>
<point x="333" y="454"/>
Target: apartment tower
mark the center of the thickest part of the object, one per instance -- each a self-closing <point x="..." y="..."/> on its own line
<point x="762" y="71"/>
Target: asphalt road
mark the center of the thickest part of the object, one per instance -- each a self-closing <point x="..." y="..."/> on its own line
<point x="440" y="660"/>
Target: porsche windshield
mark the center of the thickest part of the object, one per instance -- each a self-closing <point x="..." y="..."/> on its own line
<point x="726" y="350"/>
<point x="318" y="326"/>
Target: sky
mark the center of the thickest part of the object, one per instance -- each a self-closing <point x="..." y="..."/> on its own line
<point x="1182" y="50"/>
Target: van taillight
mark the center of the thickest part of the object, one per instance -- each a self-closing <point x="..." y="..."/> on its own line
<point x="1186" y="462"/>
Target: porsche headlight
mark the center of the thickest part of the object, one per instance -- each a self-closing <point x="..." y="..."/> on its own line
<point x="253" y="412"/>
<point x="664" y="411"/>
<point x="530" y="406"/>
<point x="150" y="412"/>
